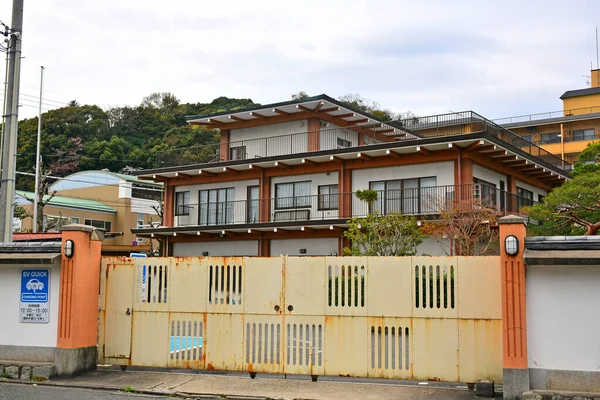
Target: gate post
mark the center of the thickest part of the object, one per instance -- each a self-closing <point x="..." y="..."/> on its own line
<point x="514" y="317"/>
<point x="76" y="350"/>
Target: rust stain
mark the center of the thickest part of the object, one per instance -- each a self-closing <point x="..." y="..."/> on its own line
<point x="210" y="367"/>
<point x="250" y="367"/>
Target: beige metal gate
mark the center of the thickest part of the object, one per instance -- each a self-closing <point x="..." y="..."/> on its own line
<point x="391" y="317"/>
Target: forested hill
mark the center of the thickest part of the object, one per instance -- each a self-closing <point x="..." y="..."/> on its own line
<point x="86" y="137"/>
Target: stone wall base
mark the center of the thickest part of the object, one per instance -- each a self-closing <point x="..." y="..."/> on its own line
<point x="73" y="362"/>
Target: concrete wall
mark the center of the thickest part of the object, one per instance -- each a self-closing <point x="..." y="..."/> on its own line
<point x="15" y="333"/>
<point x="314" y="247"/>
<point x="563" y="328"/>
<point x="271" y="146"/>
<point x="225" y="248"/>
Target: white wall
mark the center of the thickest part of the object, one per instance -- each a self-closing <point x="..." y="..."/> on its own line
<point x="563" y="321"/>
<point x="489" y="176"/>
<point x="329" y="135"/>
<point x="144" y="206"/>
<point x="224" y="248"/>
<point x="430" y="247"/>
<point x="314" y="247"/>
<point x="272" y="146"/>
<point x="240" y="193"/>
<point x="536" y="191"/>
<point x="15" y="333"/>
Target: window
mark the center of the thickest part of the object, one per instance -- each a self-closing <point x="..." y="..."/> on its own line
<point x="182" y="203"/>
<point x="237" y="153"/>
<point x="583" y="134"/>
<point x="328" y="197"/>
<point x="408" y="196"/>
<point x="54" y="223"/>
<point x="527" y="138"/>
<point x="253" y="205"/>
<point x="96" y="223"/>
<point x="74" y="220"/>
<point x="216" y="206"/>
<point x="139" y="191"/>
<point x="292" y="195"/>
<point x="342" y="143"/>
<point x="486" y="191"/>
<point x="549" y="138"/>
<point x="524" y="197"/>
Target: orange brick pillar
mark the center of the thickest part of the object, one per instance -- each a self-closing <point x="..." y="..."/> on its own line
<point x="76" y="350"/>
<point x="514" y="316"/>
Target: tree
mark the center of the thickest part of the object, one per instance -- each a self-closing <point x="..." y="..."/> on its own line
<point x="358" y="102"/>
<point x="572" y="209"/>
<point x="369" y="197"/>
<point x="44" y="198"/>
<point x="300" y="95"/>
<point x="588" y="160"/>
<point x="392" y="234"/>
<point x="465" y="227"/>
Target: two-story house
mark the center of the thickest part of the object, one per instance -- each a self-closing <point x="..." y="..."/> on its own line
<point x="284" y="176"/>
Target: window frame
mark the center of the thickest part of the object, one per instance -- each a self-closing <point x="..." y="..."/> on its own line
<point x="185" y="207"/>
<point x="249" y="204"/>
<point x="521" y="196"/>
<point x="403" y="190"/>
<point x="221" y="206"/>
<point x="293" y="196"/>
<point x="109" y="229"/>
<point x="549" y="134"/>
<point x="575" y="131"/>
<point x="322" y="196"/>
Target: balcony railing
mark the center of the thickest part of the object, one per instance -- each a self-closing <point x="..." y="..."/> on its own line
<point x="408" y="129"/>
<point x="546" y="115"/>
<point x="418" y="201"/>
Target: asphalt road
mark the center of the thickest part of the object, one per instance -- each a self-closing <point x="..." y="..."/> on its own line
<point x="14" y="391"/>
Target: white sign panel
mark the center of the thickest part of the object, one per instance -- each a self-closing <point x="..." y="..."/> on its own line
<point x="35" y="296"/>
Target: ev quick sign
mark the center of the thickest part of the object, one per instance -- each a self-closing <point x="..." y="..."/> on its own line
<point x="35" y="296"/>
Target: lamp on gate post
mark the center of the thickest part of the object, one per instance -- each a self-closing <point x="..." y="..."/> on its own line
<point x="511" y="245"/>
<point x="69" y="248"/>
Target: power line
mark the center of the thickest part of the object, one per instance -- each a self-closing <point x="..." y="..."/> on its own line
<point x="91" y="182"/>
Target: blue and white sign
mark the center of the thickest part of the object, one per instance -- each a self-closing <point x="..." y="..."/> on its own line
<point x="35" y="295"/>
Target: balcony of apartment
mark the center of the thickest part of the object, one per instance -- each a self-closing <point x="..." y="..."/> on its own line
<point x="393" y="134"/>
<point x="336" y="208"/>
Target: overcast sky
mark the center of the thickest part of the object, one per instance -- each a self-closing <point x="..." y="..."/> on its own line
<point x="499" y="58"/>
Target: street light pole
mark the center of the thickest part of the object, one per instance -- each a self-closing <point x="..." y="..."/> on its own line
<point x="38" y="157"/>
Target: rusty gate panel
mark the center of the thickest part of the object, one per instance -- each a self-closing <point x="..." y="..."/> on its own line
<point x="435" y="349"/>
<point x="224" y="289"/>
<point x="152" y="283"/>
<point x="390" y="348"/>
<point x="480" y="344"/>
<point x="150" y="337"/>
<point x="304" y="345"/>
<point x="434" y="285"/>
<point x="188" y="277"/>
<point x="305" y="292"/>
<point x="347" y="281"/>
<point x="346" y="349"/>
<point x="392" y="276"/>
<point x="263" y="285"/>
<point x="223" y="344"/>
<point x="186" y="333"/>
<point x="263" y="344"/>
<point x="479" y="294"/>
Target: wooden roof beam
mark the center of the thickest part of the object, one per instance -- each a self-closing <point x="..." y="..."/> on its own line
<point x="237" y="119"/>
<point x="308" y="162"/>
<point x="257" y="115"/>
<point x="475" y="145"/>
<point x="282" y="165"/>
<point x="277" y="111"/>
<point x="318" y="107"/>
<point x="364" y="156"/>
<point x="182" y="175"/>
<point x="392" y="153"/>
<point x="423" y="150"/>
<point x="205" y="173"/>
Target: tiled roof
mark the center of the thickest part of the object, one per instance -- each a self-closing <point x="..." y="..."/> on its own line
<point x="580" y="92"/>
<point x="71" y="202"/>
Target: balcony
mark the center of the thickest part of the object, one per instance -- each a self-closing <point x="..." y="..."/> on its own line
<point x="527" y="118"/>
<point x="425" y="202"/>
<point x="413" y="129"/>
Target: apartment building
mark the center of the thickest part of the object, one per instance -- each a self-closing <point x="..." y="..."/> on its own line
<point x="567" y="132"/>
<point x="110" y="201"/>
<point x="284" y="176"/>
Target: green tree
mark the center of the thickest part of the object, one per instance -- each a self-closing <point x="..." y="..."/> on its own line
<point x="392" y="234"/>
<point x="571" y="209"/>
<point x="369" y="197"/>
<point x="588" y="160"/>
<point x="300" y="95"/>
<point x="358" y="102"/>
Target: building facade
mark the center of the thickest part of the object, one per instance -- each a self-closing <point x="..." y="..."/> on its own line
<point x="564" y="133"/>
<point x="110" y="201"/>
<point x="284" y="176"/>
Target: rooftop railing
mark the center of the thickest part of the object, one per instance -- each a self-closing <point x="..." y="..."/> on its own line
<point x="546" y="115"/>
<point x="442" y="125"/>
<point x="425" y="201"/>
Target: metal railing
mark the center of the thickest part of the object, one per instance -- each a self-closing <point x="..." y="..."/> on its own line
<point x="414" y="201"/>
<point x="546" y="115"/>
<point x="569" y="137"/>
<point x="442" y="125"/>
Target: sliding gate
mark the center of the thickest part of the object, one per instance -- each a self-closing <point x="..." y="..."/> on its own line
<point x="394" y="317"/>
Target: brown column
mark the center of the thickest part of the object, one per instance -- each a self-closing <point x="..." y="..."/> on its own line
<point x="511" y="188"/>
<point x="345" y="192"/>
<point x="514" y="315"/>
<point x="264" y="247"/>
<point x="264" y="189"/>
<point x="169" y="206"/>
<point x="314" y="134"/>
<point x="464" y="178"/>
<point x="224" y="145"/>
<point x="343" y="242"/>
<point x="78" y="305"/>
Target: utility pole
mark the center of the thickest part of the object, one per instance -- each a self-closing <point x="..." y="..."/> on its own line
<point x="38" y="157"/>
<point x="11" y="121"/>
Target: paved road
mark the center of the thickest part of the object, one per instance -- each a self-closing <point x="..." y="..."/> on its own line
<point x="14" y="391"/>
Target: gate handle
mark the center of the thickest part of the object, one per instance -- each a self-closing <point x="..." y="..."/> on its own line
<point x="128" y="312"/>
<point x="276" y="308"/>
<point x="290" y="308"/>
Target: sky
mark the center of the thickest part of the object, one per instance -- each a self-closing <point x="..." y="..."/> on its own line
<point x="498" y="58"/>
